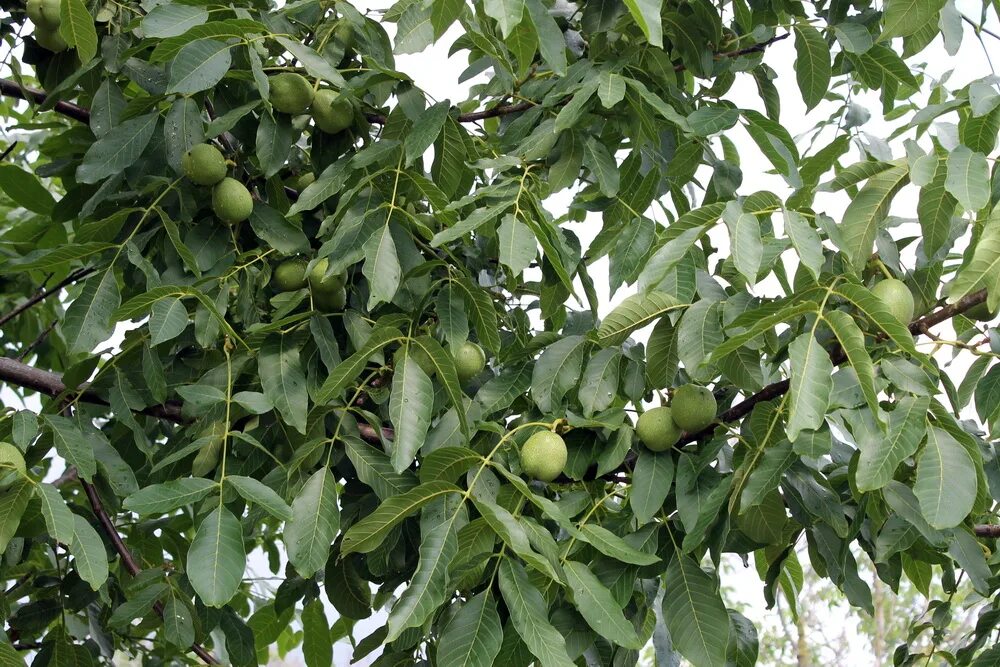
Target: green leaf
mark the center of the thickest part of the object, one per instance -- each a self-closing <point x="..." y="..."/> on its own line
<point x="852" y="341"/>
<point x="89" y="554"/>
<point x="598" y="607"/>
<point x="872" y="307"/>
<point x="983" y="270"/>
<point x="599" y="384"/>
<point x="368" y="533"/>
<point x="551" y="43"/>
<point x="805" y="240"/>
<point x="259" y="494"/>
<point x="171" y="20"/>
<point x="946" y="482"/>
<point x="557" y="371"/>
<point x="905" y="17"/>
<point x="9" y="655"/>
<point x="765" y="319"/>
<point x="811" y="385"/>
<point x="745" y="241"/>
<point x="508" y="14"/>
<point x="518" y="248"/>
<point x="694" y="613"/>
<point x="812" y="64"/>
<point x="317" y="642"/>
<point x="58" y="518"/>
<point x="349" y="369"/>
<point x="447" y="463"/>
<point x="613" y="546"/>
<point x="314" y="523"/>
<point x="216" y="559"/>
<point x="867" y="211"/>
<point x="444" y="366"/>
<point x="25" y="189"/>
<point x="315" y="64"/>
<point x="651" y="481"/>
<point x="88" y="320"/>
<point x="712" y="119"/>
<point x="633" y="313"/>
<point x="178" y="626"/>
<point x="411" y="403"/>
<point x="968" y="178"/>
<point x="529" y="615"/>
<point x="646" y="14"/>
<point x="168" y="319"/>
<point x="374" y="469"/>
<point x="473" y="636"/>
<point x="13" y="501"/>
<point x="425" y="130"/>
<point x="118" y="149"/>
<point x="168" y="496"/>
<point x="283" y="379"/>
<point x="198" y="66"/>
<point x="428" y="588"/>
<point x="879" y="459"/>
<point x="76" y="26"/>
<point x="515" y="536"/>
<point x="602" y="165"/>
<point x="72" y="445"/>
<point x="381" y="266"/>
<point x="698" y="334"/>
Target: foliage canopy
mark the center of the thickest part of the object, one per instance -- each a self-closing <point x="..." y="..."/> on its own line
<point x="318" y="421"/>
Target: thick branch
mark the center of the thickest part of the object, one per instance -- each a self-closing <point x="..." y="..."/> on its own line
<point x="11" y="88"/>
<point x="128" y="560"/>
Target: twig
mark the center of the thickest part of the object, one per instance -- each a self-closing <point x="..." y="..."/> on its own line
<point x="38" y="341"/>
<point x="979" y="28"/>
<point x="44" y="294"/>
<point x="127" y="559"/>
<point x="10" y="149"/>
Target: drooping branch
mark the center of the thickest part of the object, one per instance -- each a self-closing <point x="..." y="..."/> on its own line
<point x="128" y="560"/>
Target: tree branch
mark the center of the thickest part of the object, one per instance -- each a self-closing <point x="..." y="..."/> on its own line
<point x="10" y="88"/>
<point x="128" y="560"/>
<point x="42" y="294"/>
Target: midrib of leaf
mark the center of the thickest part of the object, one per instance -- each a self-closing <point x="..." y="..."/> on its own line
<point x="758" y="452"/>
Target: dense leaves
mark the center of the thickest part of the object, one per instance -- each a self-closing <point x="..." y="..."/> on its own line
<point x="201" y="458"/>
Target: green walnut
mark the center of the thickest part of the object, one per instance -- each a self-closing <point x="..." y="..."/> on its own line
<point x="290" y="275"/>
<point x="319" y="281"/>
<point x="657" y="430"/>
<point x="333" y="301"/>
<point x="50" y="39"/>
<point x="203" y="164"/>
<point x="897" y="298"/>
<point x="332" y="112"/>
<point x="543" y="456"/>
<point x="693" y="407"/>
<point x="231" y="201"/>
<point x="291" y="93"/>
<point x="470" y="360"/>
<point x="44" y="14"/>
